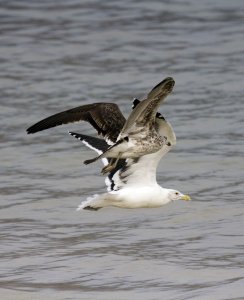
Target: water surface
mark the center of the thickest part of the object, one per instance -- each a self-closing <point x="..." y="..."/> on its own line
<point x="58" y="55"/>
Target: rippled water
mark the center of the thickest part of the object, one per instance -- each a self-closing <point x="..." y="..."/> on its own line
<point x="59" y="54"/>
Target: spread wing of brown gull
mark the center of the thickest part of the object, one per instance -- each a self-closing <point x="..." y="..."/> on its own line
<point x="106" y="118"/>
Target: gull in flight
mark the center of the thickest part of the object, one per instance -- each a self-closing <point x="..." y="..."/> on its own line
<point x="130" y="149"/>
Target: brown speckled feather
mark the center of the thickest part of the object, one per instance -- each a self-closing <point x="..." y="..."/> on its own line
<point x="106" y="118"/>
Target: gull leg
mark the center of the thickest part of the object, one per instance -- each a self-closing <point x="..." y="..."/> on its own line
<point x="111" y="165"/>
<point x="89" y="161"/>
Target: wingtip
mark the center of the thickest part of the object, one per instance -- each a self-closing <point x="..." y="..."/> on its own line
<point x="135" y="102"/>
<point x="28" y="131"/>
<point x="72" y="134"/>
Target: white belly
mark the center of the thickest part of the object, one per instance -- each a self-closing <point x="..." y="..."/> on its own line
<point x="150" y="196"/>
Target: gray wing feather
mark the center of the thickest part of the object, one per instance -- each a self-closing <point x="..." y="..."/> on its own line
<point x="147" y="108"/>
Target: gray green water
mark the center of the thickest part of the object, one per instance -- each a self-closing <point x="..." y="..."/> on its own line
<point x="57" y="55"/>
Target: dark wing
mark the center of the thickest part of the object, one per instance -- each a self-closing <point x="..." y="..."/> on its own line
<point x="106" y="118"/>
<point x="94" y="143"/>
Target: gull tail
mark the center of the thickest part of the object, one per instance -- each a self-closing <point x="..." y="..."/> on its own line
<point x="95" y="202"/>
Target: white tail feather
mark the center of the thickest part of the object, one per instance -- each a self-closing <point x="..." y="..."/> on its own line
<point x="88" y="202"/>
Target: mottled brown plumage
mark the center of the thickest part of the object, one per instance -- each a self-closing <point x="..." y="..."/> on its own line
<point x="106" y="118"/>
<point x="139" y="135"/>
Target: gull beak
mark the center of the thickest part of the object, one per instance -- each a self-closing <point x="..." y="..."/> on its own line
<point x="185" y="197"/>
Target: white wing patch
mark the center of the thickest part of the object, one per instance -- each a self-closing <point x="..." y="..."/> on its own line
<point x="140" y="171"/>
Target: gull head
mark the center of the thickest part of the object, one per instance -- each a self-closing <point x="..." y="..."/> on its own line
<point x="176" y="195"/>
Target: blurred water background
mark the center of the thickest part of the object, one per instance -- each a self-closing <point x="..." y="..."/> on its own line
<point x="56" y="55"/>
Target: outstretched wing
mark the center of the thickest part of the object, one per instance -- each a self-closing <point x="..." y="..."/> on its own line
<point x="146" y="110"/>
<point x="106" y="118"/>
<point x="94" y="143"/>
<point x="139" y="171"/>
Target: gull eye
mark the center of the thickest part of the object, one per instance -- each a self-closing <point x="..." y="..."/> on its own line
<point x="177" y="193"/>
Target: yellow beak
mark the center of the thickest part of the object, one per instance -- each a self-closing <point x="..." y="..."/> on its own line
<point x="186" y="198"/>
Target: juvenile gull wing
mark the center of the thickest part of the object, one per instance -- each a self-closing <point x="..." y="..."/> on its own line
<point x="147" y="109"/>
<point x="106" y="118"/>
<point x="164" y="128"/>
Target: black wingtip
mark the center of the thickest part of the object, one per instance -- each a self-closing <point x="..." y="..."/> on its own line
<point x="34" y="128"/>
<point x="135" y="102"/>
<point x="30" y="130"/>
<point x="73" y="134"/>
<point x="91" y="208"/>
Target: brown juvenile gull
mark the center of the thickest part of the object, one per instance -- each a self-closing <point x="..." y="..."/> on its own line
<point x="139" y="135"/>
